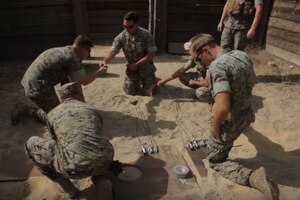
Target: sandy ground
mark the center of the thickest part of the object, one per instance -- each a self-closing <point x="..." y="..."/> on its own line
<point x="172" y="116"/>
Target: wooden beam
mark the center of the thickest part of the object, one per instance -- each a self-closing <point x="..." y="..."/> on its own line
<point x="80" y="17"/>
<point x="284" y="54"/>
<point x="160" y="24"/>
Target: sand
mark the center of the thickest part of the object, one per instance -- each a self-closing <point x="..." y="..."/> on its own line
<point x="171" y="117"/>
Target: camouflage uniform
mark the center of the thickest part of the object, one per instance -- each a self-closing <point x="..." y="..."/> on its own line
<point x="202" y="93"/>
<point x="236" y="26"/>
<point x="78" y="148"/>
<point x="51" y="67"/>
<point x="231" y="72"/>
<point x="135" y="47"/>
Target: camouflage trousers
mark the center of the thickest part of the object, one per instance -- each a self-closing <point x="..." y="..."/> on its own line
<point x="54" y="162"/>
<point x="202" y="93"/>
<point x="220" y="148"/>
<point x="44" y="97"/>
<point x="234" y="39"/>
<point x="142" y="79"/>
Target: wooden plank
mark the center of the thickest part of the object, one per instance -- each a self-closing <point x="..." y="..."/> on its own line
<point x="160" y="24"/>
<point x="289" y="36"/>
<point x="121" y="5"/>
<point x="181" y="18"/>
<point x="112" y="21"/>
<point x="32" y="3"/>
<point x="106" y="28"/>
<point x="200" y="9"/>
<point x="185" y="36"/>
<point x="281" y="53"/>
<point x="176" y="48"/>
<point x="35" y="12"/>
<point x="286" y="13"/>
<point x="185" y="2"/>
<point x="37" y="30"/>
<point x="80" y="17"/>
<point x="197" y="155"/>
<point x="283" y="44"/>
<point x="194" y="27"/>
<point x="284" y="24"/>
<point x="115" y="13"/>
<point x="62" y="18"/>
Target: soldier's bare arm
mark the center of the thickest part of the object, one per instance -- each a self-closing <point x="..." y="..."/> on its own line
<point x="220" y="110"/>
<point x="256" y="20"/>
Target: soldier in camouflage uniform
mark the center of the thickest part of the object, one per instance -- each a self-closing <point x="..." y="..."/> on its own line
<point x="77" y="148"/>
<point x="231" y="78"/>
<point x="139" y="49"/>
<point x="196" y="80"/>
<point x="54" y="66"/>
<point x="237" y="15"/>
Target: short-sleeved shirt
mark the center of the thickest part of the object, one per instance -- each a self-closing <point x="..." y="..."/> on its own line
<point x="53" y="66"/>
<point x="238" y="22"/>
<point x="232" y="72"/>
<point x="135" y="47"/>
<point x="77" y="129"/>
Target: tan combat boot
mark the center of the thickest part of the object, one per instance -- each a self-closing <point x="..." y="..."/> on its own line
<point x="259" y="180"/>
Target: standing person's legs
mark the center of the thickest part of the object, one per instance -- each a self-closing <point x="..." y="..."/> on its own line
<point x="240" y="39"/>
<point x="227" y="39"/>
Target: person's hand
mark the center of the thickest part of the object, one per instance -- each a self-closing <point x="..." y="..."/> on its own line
<point x="132" y="67"/>
<point x="192" y="82"/>
<point x="220" y="26"/>
<point x="251" y="33"/>
<point x="102" y="70"/>
<point x="102" y="63"/>
<point x="161" y="82"/>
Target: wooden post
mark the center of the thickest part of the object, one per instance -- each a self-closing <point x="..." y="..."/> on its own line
<point x="160" y="24"/>
<point x="80" y="17"/>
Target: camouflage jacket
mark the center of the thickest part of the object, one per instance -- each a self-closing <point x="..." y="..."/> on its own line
<point x="135" y="47"/>
<point x="51" y="67"/>
<point x="77" y="129"/>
